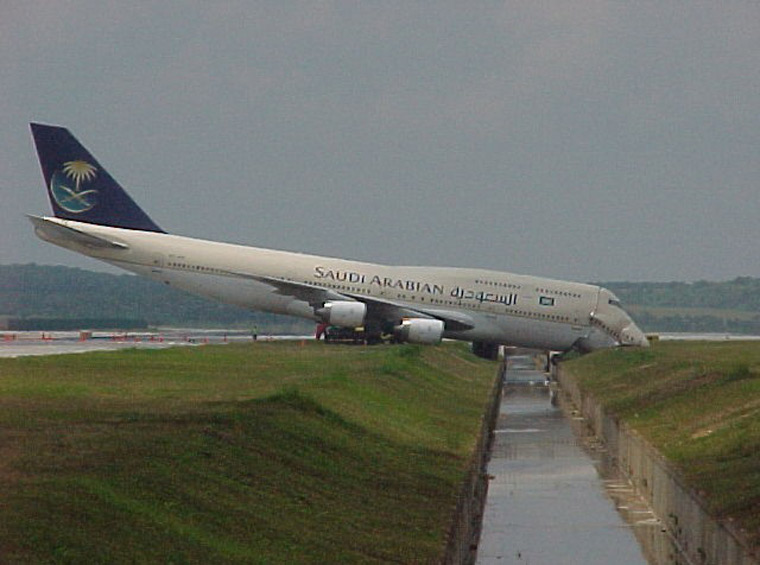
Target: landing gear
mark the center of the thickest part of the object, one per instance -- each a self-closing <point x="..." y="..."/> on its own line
<point x="486" y="350"/>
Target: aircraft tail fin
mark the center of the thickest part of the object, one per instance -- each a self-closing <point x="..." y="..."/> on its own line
<point x="79" y="188"/>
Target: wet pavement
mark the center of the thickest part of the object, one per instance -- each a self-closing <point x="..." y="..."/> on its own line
<point x="28" y="343"/>
<point x="546" y="502"/>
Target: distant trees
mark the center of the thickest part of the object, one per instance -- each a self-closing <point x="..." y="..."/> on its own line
<point x="731" y="306"/>
<point x="64" y="292"/>
<point x="34" y="291"/>
<point x="742" y="293"/>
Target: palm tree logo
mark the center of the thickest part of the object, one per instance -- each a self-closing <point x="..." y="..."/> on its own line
<point x="74" y="199"/>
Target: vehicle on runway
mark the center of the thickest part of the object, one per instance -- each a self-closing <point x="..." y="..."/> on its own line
<point x="93" y="215"/>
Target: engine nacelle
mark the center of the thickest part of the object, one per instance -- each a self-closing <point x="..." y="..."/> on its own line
<point x="420" y="330"/>
<point x="343" y="313"/>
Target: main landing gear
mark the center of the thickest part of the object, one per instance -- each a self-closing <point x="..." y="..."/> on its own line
<point x="486" y="350"/>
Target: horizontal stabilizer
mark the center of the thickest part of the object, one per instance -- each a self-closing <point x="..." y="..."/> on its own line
<point x="50" y="230"/>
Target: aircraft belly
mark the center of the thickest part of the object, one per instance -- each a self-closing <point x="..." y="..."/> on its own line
<point x="525" y="331"/>
<point x="244" y="293"/>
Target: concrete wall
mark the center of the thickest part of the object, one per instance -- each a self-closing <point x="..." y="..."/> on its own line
<point x="464" y="533"/>
<point x="694" y="536"/>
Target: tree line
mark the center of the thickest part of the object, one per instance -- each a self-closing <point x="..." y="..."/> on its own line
<point x="46" y="291"/>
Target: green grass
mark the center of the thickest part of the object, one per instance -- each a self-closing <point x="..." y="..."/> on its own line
<point x="699" y="404"/>
<point x="253" y="453"/>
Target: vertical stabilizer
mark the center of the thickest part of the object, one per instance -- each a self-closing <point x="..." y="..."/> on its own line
<point x="79" y="188"/>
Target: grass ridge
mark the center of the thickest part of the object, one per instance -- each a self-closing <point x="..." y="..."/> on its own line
<point x="699" y="405"/>
<point x="231" y="454"/>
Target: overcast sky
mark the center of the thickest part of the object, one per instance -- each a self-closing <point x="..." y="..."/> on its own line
<point x="580" y="140"/>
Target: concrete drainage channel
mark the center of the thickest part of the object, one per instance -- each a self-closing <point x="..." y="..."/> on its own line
<point x="547" y="502"/>
<point x="566" y="484"/>
<point x="679" y="530"/>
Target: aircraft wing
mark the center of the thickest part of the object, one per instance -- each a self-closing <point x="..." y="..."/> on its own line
<point x="377" y="308"/>
<point x="316" y="296"/>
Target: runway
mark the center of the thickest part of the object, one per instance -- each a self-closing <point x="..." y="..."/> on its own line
<point x="22" y="344"/>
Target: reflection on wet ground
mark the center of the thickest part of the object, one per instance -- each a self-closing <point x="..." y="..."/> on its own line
<point x="546" y="502"/>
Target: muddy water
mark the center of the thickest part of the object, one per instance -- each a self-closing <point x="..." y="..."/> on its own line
<point x="546" y="501"/>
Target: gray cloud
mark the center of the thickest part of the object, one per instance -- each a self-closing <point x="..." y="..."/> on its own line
<point x="582" y="140"/>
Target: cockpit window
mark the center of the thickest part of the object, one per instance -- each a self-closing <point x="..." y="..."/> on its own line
<point x="615" y="302"/>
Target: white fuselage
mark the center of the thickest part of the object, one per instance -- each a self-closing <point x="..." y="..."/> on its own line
<point x="501" y="307"/>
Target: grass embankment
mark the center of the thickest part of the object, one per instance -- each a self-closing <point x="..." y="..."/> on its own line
<point x="699" y="405"/>
<point x="253" y="453"/>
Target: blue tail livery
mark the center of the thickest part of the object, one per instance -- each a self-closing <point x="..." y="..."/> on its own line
<point x="79" y="188"/>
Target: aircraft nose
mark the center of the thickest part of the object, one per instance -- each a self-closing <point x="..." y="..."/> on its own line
<point x="632" y="335"/>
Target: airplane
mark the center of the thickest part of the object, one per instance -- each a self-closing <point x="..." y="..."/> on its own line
<point x="93" y="215"/>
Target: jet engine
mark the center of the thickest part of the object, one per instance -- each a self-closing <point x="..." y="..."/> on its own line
<point x="343" y="313"/>
<point x="420" y="330"/>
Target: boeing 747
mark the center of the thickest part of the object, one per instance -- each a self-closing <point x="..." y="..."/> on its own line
<point x="94" y="216"/>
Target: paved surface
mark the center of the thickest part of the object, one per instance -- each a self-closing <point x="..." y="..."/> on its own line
<point x="546" y="502"/>
<point x="22" y="344"/>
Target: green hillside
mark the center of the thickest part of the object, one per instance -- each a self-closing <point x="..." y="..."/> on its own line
<point x="265" y="453"/>
<point x="699" y="405"/>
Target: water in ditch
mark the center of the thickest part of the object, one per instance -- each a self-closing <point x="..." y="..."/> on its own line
<point x="547" y="502"/>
